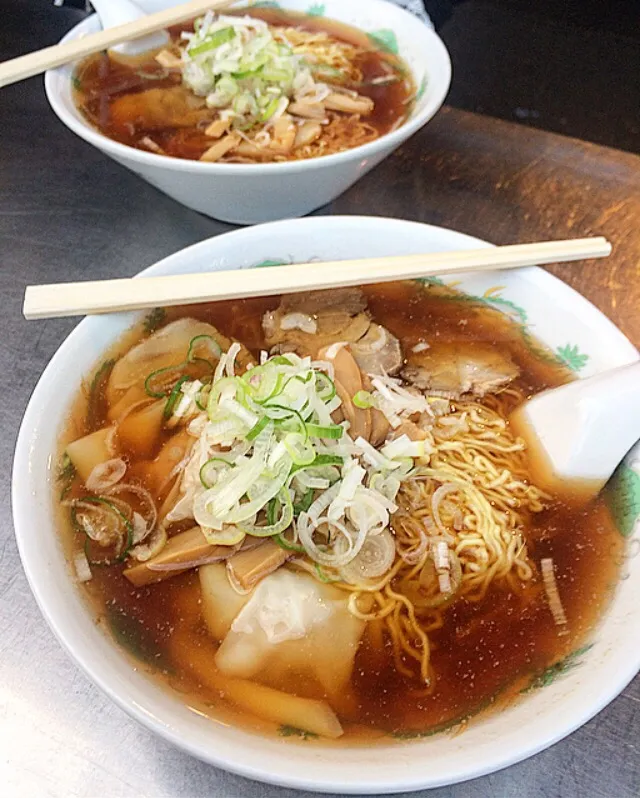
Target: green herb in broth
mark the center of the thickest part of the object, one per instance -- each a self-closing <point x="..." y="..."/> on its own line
<point x="552" y="672"/>
<point x="96" y="401"/>
<point x="292" y="731"/>
<point x="454" y="726"/>
<point x="155" y="319"/>
<point x="66" y="475"/>
<point x="133" y="636"/>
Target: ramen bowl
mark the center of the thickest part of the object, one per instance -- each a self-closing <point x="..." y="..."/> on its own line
<point x="559" y="700"/>
<point x="250" y="193"/>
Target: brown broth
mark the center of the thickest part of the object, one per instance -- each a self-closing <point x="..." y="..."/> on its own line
<point x="485" y="653"/>
<point x="99" y="80"/>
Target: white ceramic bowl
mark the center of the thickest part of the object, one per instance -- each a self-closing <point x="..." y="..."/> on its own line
<point x="560" y="317"/>
<point x="250" y="193"/>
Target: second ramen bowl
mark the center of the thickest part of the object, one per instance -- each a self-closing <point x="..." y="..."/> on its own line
<point x="251" y="193"/>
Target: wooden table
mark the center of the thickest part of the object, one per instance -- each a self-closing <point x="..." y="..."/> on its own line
<point x="66" y="212"/>
<point x="513" y="184"/>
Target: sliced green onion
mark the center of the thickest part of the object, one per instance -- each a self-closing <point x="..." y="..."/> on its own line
<point x="173" y="397"/>
<point x="211" y="342"/>
<point x="202" y="405"/>
<point x="325" y="386"/>
<point x="209" y="471"/>
<point x="275" y="75"/>
<point x="305" y="502"/>
<point x="229" y="535"/>
<point x="321" y="460"/>
<point x="270" y="110"/>
<point x="159" y="383"/>
<point x="328" y="459"/>
<point x="267" y="384"/>
<point x="257" y="428"/>
<point x="403" y="447"/>
<point x="286" y="414"/>
<point x="251" y="73"/>
<point x="271" y="510"/>
<point x="301" y="452"/>
<point x="128" y="528"/>
<point x="217" y="388"/>
<point x="334" y="432"/>
<point x="96" y="402"/>
<point x="286" y="544"/>
<point x="286" y="517"/>
<point x="212" y="41"/>
<point x="322" y="576"/>
<point x="281" y="360"/>
<point x="363" y="400"/>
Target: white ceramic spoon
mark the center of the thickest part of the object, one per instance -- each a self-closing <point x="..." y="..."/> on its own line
<point x="118" y="12"/>
<point x="577" y="434"/>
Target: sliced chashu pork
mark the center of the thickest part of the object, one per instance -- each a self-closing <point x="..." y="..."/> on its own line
<point x="306" y="323"/>
<point x="159" y="108"/>
<point x="457" y="368"/>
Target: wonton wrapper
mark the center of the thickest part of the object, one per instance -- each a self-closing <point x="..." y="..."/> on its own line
<point x="324" y="655"/>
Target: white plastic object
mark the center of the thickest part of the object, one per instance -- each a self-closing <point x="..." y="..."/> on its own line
<point x="578" y="433"/>
<point x="119" y="12"/>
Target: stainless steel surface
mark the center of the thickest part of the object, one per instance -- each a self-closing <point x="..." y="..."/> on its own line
<point x="68" y="213"/>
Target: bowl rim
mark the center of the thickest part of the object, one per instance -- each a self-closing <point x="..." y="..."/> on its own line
<point x="433" y="44"/>
<point x="103" y="675"/>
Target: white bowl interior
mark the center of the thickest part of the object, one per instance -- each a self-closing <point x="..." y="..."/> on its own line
<point x="555" y="313"/>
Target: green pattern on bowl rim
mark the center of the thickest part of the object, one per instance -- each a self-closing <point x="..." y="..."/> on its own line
<point x="568" y="355"/>
<point x="622" y="496"/>
<point x="385" y="40"/>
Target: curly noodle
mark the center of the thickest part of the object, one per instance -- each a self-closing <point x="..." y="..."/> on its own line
<point x="486" y="503"/>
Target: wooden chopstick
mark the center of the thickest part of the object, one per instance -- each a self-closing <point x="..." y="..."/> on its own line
<point x="34" y="63"/>
<point x="108" y="296"/>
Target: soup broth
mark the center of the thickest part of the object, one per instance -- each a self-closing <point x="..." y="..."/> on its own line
<point x="148" y="103"/>
<point x="485" y="646"/>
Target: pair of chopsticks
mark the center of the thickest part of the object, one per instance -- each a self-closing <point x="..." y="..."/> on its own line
<point x="50" y="57"/>
<point x="108" y="296"/>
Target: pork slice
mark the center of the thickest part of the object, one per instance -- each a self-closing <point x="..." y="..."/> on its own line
<point x="458" y="368"/>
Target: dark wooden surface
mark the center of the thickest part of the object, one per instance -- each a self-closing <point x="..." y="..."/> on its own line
<point x="67" y="212"/>
<point x="511" y="184"/>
